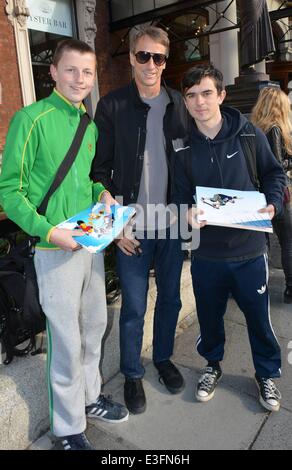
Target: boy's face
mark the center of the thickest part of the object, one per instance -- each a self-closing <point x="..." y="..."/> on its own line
<point x="203" y="100"/>
<point x="75" y="75"/>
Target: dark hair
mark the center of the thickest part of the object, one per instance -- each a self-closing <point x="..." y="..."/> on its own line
<point x="70" y="45"/>
<point x="195" y="75"/>
<point x="156" y="34"/>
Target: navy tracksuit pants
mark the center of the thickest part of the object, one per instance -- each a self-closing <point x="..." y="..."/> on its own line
<point x="213" y="281"/>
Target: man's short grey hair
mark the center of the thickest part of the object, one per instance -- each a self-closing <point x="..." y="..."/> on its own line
<point x="156" y="34"/>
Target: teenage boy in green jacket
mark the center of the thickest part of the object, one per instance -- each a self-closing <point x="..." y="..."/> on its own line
<point x="71" y="280"/>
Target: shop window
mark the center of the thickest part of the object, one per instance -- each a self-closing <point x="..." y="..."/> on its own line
<point x="121" y="9"/>
<point x="49" y="22"/>
<point x="185" y="33"/>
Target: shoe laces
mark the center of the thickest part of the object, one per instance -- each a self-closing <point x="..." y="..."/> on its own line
<point x="84" y="438"/>
<point x="68" y="441"/>
<point x="208" y="379"/>
<point x="105" y="401"/>
<point x="271" y="391"/>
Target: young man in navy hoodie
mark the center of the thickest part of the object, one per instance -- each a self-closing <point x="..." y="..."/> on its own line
<point x="228" y="260"/>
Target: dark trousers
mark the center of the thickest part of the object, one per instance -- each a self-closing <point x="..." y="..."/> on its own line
<point x="213" y="281"/>
<point x="283" y="227"/>
<point x="167" y="258"/>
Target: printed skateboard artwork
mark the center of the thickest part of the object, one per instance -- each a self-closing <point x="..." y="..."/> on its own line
<point x="100" y="227"/>
<point x="99" y="223"/>
<point x="219" y="200"/>
<point x="233" y="208"/>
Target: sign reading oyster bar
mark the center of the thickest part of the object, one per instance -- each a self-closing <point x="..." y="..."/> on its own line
<point x="50" y="16"/>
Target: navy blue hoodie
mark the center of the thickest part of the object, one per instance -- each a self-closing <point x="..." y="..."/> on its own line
<point x="220" y="163"/>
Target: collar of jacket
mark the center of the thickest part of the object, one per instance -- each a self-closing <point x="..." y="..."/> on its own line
<point x="139" y="102"/>
<point x="60" y="102"/>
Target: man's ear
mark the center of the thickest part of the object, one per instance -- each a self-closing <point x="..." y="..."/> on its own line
<point x="222" y="96"/>
<point x="132" y="59"/>
<point x="186" y="104"/>
<point x="53" y="72"/>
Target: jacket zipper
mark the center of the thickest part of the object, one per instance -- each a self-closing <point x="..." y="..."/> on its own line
<point x="132" y="195"/>
<point x="76" y="186"/>
<point x="213" y="152"/>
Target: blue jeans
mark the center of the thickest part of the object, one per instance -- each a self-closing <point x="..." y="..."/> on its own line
<point x="133" y="271"/>
<point x="247" y="281"/>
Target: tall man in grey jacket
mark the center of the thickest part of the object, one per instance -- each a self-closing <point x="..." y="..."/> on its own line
<point x="136" y="126"/>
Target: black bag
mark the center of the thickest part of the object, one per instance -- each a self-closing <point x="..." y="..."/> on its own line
<point x="21" y="316"/>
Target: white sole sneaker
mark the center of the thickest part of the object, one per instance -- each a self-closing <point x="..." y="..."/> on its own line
<point x="112" y="421"/>
<point x="208" y="397"/>
<point x="265" y="404"/>
<point x="205" y="399"/>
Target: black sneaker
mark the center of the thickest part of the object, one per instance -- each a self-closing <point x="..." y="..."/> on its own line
<point x="288" y="295"/>
<point x="207" y="383"/>
<point x="134" y="396"/>
<point x="76" y="442"/>
<point x="269" y="395"/>
<point x="170" y="376"/>
<point x="107" y="410"/>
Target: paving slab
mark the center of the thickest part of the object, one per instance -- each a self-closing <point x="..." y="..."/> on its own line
<point x="178" y="422"/>
<point x="281" y="313"/>
<point x="23" y="403"/>
<point x="100" y="439"/>
<point x="237" y="366"/>
<point x="234" y="419"/>
<point x="276" y="434"/>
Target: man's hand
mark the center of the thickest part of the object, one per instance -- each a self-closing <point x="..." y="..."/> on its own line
<point x="192" y="218"/>
<point x="64" y="238"/>
<point x="108" y="201"/>
<point x="128" y="246"/>
<point x="270" y="210"/>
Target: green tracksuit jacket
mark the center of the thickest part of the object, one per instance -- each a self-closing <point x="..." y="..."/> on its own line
<point x="38" y="139"/>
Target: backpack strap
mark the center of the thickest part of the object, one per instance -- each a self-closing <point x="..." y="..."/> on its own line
<point x="67" y="162"/>
<point x="248" y="143"/>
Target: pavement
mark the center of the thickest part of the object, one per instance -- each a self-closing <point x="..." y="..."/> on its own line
<point x="233" y="420"/>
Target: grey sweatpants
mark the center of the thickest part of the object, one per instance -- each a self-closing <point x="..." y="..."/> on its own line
<point x="72" y="295"/>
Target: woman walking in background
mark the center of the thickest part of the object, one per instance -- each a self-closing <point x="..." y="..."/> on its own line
<point x="271" y="114"/>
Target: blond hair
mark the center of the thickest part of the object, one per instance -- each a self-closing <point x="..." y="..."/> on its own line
<point x="272" y="109"/>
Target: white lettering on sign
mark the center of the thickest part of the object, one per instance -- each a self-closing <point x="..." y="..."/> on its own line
<point x="51" y="16"/>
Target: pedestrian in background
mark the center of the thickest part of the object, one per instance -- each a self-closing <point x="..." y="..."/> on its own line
<point x="271" y="114"/>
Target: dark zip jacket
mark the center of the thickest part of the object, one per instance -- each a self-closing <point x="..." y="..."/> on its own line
<point x="275" y="139"/>
<point x="220" y="163"/>
<point x="121" y="121"/>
